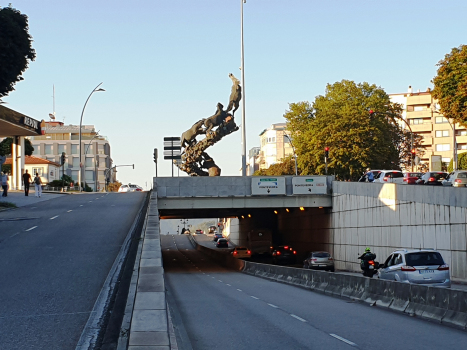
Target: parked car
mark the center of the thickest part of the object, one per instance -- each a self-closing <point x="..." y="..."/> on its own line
<point x="241" y="253"/>
<point x="364" y="178"/>
<point x="410" y="178"/>
<point x="199" y="232"/>
<point x="458" y="178"/>
<point x="130" y="188"/>
<point x="432" y="178"/>
<point x="418" y="266"/>
<point x="217" y="235"/>
<point x="222" y="243"/>
<point x="284" y="254"/>
<point x="390" y="176"/>
<point x="319" y="261"/>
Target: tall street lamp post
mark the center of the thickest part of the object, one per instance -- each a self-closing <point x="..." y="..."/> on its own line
<point x="243" y="94"/>
<point x="80" y="125"/>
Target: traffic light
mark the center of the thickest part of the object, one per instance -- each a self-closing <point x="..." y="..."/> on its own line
<point x="326" y="152"/>
<point x="62" y="158"/>
<point x="155" y="155"/>
<point x="371" y="112"/>
<point x="413" y="152"/>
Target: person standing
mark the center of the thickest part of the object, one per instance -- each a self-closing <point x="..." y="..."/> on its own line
<point x="26" y="182"/>
<point x="38" y="185"/>
<point x="4" y="181"/>
<point x="369" y="175"/>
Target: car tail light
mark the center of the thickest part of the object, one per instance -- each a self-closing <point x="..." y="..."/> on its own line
<point x="278" y="253"/>
<point x="286" y="247"/>
<point x="314" y="259"/>
<point x="385" y="178"/>
<point x="371" y="262"/>
<point x="138" y="189"/>
<point x="431" y="179"/>
<point x="235" y="252"/>
<point x="443" y="268"/>
<point x="290" y="248"/>
<point x="405" y="179"/>
<point x="294" y="252"/>
<point x="458" y="181"/>
<point x="248" y="251"/>
<point x="408" y="268"/>
<point x="330" y="259"/>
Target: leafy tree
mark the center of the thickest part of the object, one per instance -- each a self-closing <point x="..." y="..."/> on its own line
<point x="341" y="120"/>
<point x="114" y="186"/>
<point x="5" y="147"/>
<point x="405" y="149"/>
<point x="15" y="48"/>
<point x="461" y="162"/>
<point x="450" y="84"/>
<point x="285" y="167"/>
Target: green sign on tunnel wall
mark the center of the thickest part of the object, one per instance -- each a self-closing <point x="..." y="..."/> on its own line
<point x="267" y="186"/>
<point x="309" y="185"/>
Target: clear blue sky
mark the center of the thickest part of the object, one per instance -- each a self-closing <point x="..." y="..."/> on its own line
<point x="165" y="64"/>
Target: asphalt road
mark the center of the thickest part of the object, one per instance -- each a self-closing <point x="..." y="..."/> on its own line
<point x="222" y="309"/>
<point x="55" y="256"/>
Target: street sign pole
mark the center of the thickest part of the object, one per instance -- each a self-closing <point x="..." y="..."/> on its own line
<point x="172" y="150"/>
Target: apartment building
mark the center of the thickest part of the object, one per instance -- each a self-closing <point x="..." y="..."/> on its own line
<point x="440" y="135"/>
<point x="274" y="145"/>
<point x="58" y="138"/>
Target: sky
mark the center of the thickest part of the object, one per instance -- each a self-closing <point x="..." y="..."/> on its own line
<point x="165" y="64"/>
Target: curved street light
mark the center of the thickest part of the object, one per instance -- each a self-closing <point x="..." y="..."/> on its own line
<point x="80" y="125"/>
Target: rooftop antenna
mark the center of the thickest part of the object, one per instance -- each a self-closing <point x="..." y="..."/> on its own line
<point x="52" y="115"/>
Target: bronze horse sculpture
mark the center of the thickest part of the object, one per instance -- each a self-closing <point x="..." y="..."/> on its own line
<point x="189" y="136"/>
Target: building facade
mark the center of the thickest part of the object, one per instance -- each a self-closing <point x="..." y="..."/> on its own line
<point x="440" y="136"/>
<point x="275" y="146"/>
<point x="96" y="162"/>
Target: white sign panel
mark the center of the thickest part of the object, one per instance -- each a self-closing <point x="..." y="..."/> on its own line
<point x="309" y="185"/>
<point x="261" y="185"/>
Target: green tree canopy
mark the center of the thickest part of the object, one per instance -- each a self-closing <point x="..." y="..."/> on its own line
<point x="450" y="84"/>
<point x="341" y="121"/>
<point x="15" y="48"/>
<point x="285" y="167"/>
<point x="5" y="147"/>
<point x="461" y="162"/>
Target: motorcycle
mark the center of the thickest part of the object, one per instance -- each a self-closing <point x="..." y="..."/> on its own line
<point x="369" y="266"/>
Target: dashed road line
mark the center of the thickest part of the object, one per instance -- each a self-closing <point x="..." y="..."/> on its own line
<point x="239" y="290"/>
<point x="69" y="211"/>
<point x="81" y="205"/>
<point x="274" y="306"/>
<point x="228" y="285"/>
<point x="32" y="228"/>
<point x="53" y="217"/>
<point x="254" y="297"/>
<point x="343" y="339"/>
<point x="298" y="318"/>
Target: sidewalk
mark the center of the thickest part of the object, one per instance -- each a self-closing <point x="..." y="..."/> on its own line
<point x="20" y="200"/>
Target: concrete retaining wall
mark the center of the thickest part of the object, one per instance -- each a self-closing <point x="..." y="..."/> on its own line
<point x="386" y="217"/>
<point x="438" y="304"/>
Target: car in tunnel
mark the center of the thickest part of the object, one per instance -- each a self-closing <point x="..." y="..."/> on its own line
<point x="284" y="254"/>
<point x="222" y="243"/>
<point x="216" y="236"/>
<point x="319" y="261"/>
<point x="241" y="253"/>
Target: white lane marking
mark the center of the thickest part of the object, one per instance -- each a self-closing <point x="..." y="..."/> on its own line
<point x="219" y="280"/>
<point x="69" y="211"/>
<point x="343" y="339"/>
<point x="32" y="228"/>
<point x="80" y="205"/>
<point x="229" y="285"/>
<point x="239" y="290"/>
<point x="254" y="297"/>
<point x="54" y="217"/>
<point x="298" y="318"/>
<point x="212" y="277"/>
<point x="17" y="233"/>
<point x="97" y="198"/>
<point x="90" y="202"/>
<point x="274" y="306"/>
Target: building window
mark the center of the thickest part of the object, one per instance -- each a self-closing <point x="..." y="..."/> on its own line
<point x="445" y="160"/>
<point x="48" y="149"/>
<point x="89" y="174"/>
<point x="443" y="147"/>
<point x="418" y="108"/>
<point x="440" y="120"/>
<point x="461" y="132"/>
<point x="409" y="108"/>
<point x="442" y="133"/>
<point x="462" y="146"/>
<point x="61" y="149"/>
<point x="88" y="162"/>
<point x="39" y="171"/>
<point x="74" y="175"/>
<point x="74" y="149"/>
<point x="416" y="121"/>
<point x="75" y="162"/>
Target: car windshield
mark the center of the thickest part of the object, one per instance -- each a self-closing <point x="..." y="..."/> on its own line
<point x="438" y="176"/>
<point x="424" y="258"/>
<point x="462" y="175"/>
<point x="321" y="255"/>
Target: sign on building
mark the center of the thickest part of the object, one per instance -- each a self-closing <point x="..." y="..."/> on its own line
<point x="261" y="185"/>
<point x="309" y="185"/>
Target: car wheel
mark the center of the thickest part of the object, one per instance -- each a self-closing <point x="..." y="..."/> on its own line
<point x="332" y="270"/>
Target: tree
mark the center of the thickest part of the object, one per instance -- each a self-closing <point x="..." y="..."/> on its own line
<point x="114" y="186"/>
<point x="450" y="85"/>
<point x="15" y="48"/>
<point x="461" y="162"/>
<point x="5" y="147"/>
<point x="285" y="167"/>
<point x="341" y="121"/>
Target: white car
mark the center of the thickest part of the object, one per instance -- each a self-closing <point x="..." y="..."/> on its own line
<point x="241" y="253"/>
<point x="390" y="176"/>
<point x="130" y="188"/>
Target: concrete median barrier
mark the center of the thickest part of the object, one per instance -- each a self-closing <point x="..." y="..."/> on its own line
<point x="456" y="313"/>
<point x="401" y="297"/>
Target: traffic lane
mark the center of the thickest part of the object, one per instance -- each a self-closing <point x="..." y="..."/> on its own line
<point x="207" y="308"/>
<point x="359" y="323"/>
<point x="52" y="275"/>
